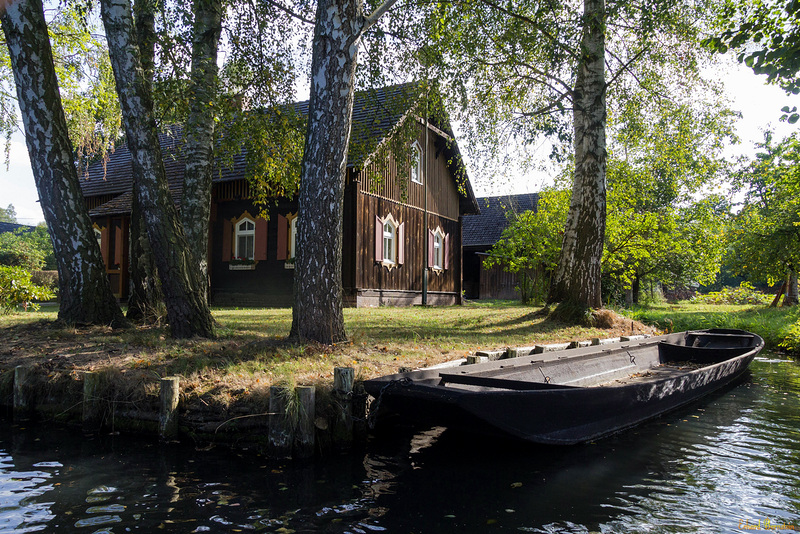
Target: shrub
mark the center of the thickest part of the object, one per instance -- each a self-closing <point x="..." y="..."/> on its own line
<point x="17" y="289"/>
<point x="744" y="294"/>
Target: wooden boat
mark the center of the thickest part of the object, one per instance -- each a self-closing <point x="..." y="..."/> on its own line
<point x="571" y="396"/>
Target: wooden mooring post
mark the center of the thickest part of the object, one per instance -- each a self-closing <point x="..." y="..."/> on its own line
<point x="343" y="379"/>
<point x="304" y="444"/>
<point x="168" y="414"/>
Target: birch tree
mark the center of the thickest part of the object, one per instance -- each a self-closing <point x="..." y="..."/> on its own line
<point x="199" y="133"/>
<point x="187" y="310"/>
<point x="145" y="301"/>
<point x="84" y="290"/>
<point x="536" y="69"/>
<point x="340" y="25"/>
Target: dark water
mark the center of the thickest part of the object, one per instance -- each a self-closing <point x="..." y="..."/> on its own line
<point x="731" y="464"/>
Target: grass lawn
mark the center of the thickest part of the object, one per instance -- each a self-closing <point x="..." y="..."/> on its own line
<point x="251" y="352"/>
<point x="773" y="324"/>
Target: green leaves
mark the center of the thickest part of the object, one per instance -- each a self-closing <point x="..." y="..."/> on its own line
<point x="768" y="37"/>
<point x="765" y="234"/>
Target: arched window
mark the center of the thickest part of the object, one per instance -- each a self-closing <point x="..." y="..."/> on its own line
<point x="416" y="163"/>
<point x="389" y="241"/>
<point x="389" y="237"/>
<point x="245" y="239"/>
<point x="438" y="249"/>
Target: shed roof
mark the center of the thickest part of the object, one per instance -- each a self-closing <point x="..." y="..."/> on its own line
<point x="12" y="227"/>
<point x="376" y="113"/>
<point x="485" y="229"/>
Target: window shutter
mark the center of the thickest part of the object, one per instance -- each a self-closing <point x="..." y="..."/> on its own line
<point x="283" y="235"/>
<point x="431" y="249"/>
<point x="446" y="252"/>
<point x="401" y="245"/>
<point x="260" y="248"/>
<point x="227" y="231"/>
<point x="118" y="246"/>
<point x="104" y="244"/>
<point x="378" y="239"/>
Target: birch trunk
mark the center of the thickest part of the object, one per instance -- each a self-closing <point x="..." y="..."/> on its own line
<point x="84" y="290"/>
<point x="187" y="311"/>
<point x="577" y="279"/>
<point x="199" y="133"/>
<point x="317" y="314"/>
<point x="146" y="302"/>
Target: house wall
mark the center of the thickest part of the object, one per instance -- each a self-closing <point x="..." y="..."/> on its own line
<point x="114" y="238"/>
<point x="443" y="198"/>
<point x="270" y="282"/>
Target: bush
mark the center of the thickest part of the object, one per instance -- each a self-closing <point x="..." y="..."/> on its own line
<point x="744" y="294"/>
<point x="17" y="289"/>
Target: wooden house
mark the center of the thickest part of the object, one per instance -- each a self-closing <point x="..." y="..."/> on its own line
<point x="480" y="233"/>
<point x="394" y="211"/>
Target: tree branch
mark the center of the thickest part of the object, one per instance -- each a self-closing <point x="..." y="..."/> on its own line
<point x="288" y="11"/>
<point x="377" y="14"/>
<point x="533" y="23"/>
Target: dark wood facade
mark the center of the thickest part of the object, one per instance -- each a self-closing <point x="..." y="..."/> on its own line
<point x="375" y="190"/>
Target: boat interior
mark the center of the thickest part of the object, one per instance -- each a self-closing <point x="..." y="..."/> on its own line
<point x="653" y="359"/>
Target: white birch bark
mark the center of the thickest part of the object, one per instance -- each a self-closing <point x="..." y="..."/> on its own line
<point x="187" y="311"/>
<point x="84" y="291"/>
<point x="317" y="314"/>
<point x="199" y="133"/>
<point x="577" y="279"/>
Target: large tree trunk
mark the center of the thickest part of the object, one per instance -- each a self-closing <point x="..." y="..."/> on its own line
<point x="791" y="289"/>
<point x="317" y="314"/>
<point x="577" y="279"/>
<point x="146" y="302"/>
<point x="84" y="290"/>
<point x="199" y="132"/>
<point x="187" y="311"/>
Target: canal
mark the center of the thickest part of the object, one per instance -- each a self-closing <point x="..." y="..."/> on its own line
<point x="729" y="464"/>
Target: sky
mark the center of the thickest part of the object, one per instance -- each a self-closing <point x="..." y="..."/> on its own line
<point x="760" y="105"/>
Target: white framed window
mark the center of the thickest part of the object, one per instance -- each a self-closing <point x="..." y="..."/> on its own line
<point x="292" y="219"/>
<point x="245" y="239"/>
<point x="389" y="241"/>
<point x="416" y="163"/>
<point x="389" y="237"/>
<point x="438" y="249"/>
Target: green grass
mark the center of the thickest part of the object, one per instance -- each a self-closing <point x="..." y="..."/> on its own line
<point x="773" y="324"/>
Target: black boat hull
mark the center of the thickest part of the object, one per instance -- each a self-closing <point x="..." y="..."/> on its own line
<point x="546" y="412"/>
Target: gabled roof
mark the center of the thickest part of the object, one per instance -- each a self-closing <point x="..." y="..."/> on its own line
<point x="376" y="114"/>
<point x="12" y="227"/>
<point x="484" y="230"/>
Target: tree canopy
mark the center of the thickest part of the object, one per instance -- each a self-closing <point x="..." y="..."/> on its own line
<point x="765" y="234"/>
<point x="766" y="36"/>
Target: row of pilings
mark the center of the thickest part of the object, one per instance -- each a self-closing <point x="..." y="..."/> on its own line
<point x="297" y="425"/>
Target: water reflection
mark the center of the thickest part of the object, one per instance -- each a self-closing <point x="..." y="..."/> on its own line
<point x="707" y="469"/>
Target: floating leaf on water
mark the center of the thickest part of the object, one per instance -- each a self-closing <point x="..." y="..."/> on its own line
<point x="516" y="485"/>
<point x="510" y="510"/>
<point x="450" y="516"/>
<point x="491" y="521"/>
